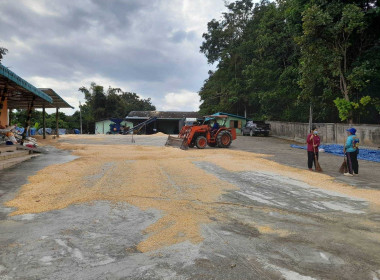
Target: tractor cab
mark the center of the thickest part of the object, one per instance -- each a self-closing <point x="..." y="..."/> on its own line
<point x="215" y="123"/>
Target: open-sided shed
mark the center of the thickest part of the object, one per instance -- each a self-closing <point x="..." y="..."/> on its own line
<point x="16" y="93"/>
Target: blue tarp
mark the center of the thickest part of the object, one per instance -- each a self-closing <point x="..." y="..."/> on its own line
<point x="76" y="131"/>
<point x="365" y="154"/>
<point x="47" y="130"/>
<point x="20" y="130"/>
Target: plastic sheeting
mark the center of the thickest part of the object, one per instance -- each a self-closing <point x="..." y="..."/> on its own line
<point x="365" y="154"/>
<point x="47" y="130"/>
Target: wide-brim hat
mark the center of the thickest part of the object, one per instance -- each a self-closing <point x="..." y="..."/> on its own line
<point x="351" y="130"/>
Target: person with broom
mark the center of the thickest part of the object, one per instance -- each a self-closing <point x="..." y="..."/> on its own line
<point x="351" y="150"/>
<point x="313" y="142"/>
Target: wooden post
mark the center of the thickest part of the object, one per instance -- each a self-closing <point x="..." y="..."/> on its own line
<point x="2" y="99"/>
<point x="27" y="123"/>
<point x="43" y="122"/>
<point x="10" y="116"/>
<point x="56" y="122"/>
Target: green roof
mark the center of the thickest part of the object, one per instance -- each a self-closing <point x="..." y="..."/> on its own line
<point x="22" y="84"/>
<point x="230" y="115"/>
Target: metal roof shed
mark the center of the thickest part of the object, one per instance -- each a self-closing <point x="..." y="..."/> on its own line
<point x="58" y="102"/>
<point x="16" y="93"/>
<point x="19" y="94"/>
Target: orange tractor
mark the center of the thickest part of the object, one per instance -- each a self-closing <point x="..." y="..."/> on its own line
<point x="210" y="132"/>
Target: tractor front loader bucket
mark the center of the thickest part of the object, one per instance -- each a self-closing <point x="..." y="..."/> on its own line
<point x="177" y="142"/>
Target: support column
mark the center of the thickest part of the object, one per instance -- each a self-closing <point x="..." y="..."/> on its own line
<point x="10" y="116"/>
<point x="43" y="122"/>
<point x="27" y="122"/>
<point x="56" y="123"/>
<point x="2" y="100"/>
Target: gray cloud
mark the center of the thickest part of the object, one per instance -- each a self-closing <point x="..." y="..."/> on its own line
<point x="150" y="47"/>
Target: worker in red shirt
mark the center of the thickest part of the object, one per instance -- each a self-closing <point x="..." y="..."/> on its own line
<point x="313" y="142"/>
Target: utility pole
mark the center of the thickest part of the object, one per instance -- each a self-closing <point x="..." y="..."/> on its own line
<point x="310" y="117"/>
<point x="80" y="117"/>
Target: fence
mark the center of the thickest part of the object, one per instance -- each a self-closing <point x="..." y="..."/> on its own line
<point x="335" y="133"/>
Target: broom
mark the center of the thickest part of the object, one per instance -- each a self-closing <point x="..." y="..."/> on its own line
<point x="317" y="166"/>
<point x="343" y="168"/>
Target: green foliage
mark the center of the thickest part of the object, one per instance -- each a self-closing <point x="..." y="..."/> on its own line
<point x="275" y="58"/>
<point x="344" y="107"/>
<point x="69" y="122"/>
<point x="112" y="103"/>
<point x="99" y="105"/>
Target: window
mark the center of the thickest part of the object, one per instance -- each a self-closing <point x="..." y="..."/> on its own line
<point x="235" y="124"/>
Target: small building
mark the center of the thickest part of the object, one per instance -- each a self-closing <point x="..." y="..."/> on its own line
<point x="234" y="121"/>
<point x="168" y="122"/>
<point x="103" y="126"/>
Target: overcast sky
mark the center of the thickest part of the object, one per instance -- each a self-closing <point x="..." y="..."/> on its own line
<point x="150" y="47"/>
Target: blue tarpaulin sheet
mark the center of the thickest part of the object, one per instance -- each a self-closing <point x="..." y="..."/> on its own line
<point x="47" y="130"/>
<point x="20" y="130"/>
<point x="365" y="154"/>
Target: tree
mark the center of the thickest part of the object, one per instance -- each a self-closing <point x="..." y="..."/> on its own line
<point x="113" y="103"/>
<point x="3" y="51"/>
<point x="335" y="37"/>
<point x="275" y="58"/>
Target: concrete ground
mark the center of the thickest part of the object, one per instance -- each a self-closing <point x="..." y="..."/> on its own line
<point x="274" y="227"/>
<point x="281" y="152"/>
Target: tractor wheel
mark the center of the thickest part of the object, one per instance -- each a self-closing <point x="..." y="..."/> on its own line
<point x="201" y="142"/>
<point x="224" y="139"/>
<point x="212" y="144"/>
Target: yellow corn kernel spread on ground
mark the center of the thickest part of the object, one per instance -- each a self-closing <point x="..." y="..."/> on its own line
<point x="162" y="178"/>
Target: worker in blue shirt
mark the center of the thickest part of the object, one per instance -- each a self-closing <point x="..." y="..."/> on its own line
<point x="215" y="128"/>
<point x="351" y="149"/>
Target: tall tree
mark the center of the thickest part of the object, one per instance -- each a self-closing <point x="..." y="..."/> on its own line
<point x="336" y="36"/>
<point x="274" y="58"/>
<point x="113" y="103"/>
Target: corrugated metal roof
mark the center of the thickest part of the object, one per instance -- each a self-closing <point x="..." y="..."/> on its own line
<point x="231" y="115"/>
<point x="58" y="102"/>
<point x="177" y="115"/>
<point x="17" y="88"/>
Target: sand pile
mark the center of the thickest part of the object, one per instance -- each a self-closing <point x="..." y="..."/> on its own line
<point x="160" y="134"/>
<point x="155" y="177"/>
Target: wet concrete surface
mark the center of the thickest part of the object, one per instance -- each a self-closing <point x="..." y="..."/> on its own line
<point x="281" y="152"/>
<point x="273" y="228"/>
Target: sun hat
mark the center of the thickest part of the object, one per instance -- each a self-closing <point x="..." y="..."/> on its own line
<point x="351" y="130"/>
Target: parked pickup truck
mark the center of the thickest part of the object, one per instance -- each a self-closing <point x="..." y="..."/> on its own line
<point x="255" y="128"/>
